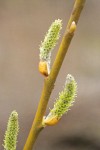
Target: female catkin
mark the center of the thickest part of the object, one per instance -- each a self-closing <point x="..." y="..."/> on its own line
<point x="47" y="45"/>
<point x="64" y="102"/>
<point x="11" y="133"/>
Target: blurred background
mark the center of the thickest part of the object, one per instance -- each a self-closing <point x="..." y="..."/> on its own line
<point x="23" y="25"/>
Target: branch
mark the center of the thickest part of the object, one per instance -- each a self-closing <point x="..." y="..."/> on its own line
<point x="50" y="80"/>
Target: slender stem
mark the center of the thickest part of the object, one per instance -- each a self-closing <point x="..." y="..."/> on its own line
<point x="49" y="81"/>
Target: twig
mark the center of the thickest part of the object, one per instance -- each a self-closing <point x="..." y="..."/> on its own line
<point x="50" y="80"/>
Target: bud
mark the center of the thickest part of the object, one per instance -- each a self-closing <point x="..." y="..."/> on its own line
<point x="72" y="27"/>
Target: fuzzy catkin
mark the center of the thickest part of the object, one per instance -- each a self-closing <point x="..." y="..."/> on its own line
<point x="66" y="98"/>
<point x="50" y="40"/>
<point x="11" y="133"/>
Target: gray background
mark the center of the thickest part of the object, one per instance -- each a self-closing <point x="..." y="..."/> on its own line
<point x="23" y="25"/>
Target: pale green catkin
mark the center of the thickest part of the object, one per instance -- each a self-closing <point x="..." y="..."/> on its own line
<point x="11" y="133"/>
<point x="66" y="98"/>
<point x="50" y="40"/>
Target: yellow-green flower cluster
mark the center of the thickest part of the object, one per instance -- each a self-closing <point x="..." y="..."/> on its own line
<point x="50" y="40"/>
<point x="10" y="139"/>
<point x="66" y="98"/>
